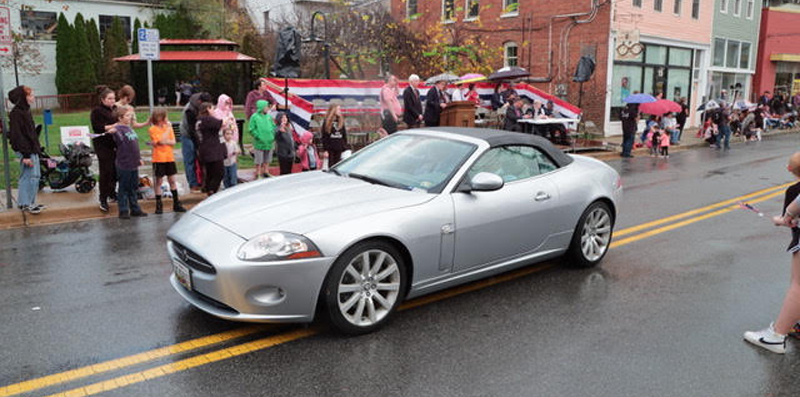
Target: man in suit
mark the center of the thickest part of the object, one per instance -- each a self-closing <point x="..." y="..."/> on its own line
<point x="513" y="114"/>
<point x="412" y="113"/>
<point x="435" y="101"/>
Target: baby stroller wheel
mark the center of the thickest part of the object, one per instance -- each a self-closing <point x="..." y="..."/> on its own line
<point x="85" y="185"/>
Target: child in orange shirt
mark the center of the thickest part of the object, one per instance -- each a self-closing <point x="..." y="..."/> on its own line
<point x="162" y="138"/>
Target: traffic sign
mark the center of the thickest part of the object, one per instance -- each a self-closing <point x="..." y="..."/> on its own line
<point x="149" y="47"/>
<point x="6" y="40"/>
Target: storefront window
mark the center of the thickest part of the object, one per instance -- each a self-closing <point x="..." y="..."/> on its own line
<point x="744" y="60"/>
<point x="680" y="57"/>
<point x="662" y="70"/>
<point x="719" y="52"/>
<point x="678" y="85"/>
<point x="627" y="80"/>
<point x="733" y="54"/>
<point x="656" y="54"/>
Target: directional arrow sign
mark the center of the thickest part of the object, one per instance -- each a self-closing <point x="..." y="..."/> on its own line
<point x="6" y="40"/>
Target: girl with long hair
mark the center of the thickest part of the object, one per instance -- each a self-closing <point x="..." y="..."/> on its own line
<point x="334" y="135"/>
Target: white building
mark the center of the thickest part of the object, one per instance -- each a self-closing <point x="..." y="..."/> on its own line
<point x="271" y="14"/>
<point x="37" y="21"/>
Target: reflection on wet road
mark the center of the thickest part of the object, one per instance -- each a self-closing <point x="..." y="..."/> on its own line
<point x="663" y="315"/>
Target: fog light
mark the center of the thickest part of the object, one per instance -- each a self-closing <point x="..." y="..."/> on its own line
<point x="267" y="295"/>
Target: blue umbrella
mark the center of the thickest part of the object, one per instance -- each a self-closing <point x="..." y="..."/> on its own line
<point x="639" y="98"/>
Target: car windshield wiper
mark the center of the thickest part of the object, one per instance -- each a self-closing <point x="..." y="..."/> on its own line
<point x="332" y="170"/>
<point x="377" y="181"/>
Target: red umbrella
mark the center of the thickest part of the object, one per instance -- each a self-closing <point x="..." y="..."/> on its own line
<point x="660" y="107"/>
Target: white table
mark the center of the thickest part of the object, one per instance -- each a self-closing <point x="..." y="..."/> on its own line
<point x="543" y="121"/>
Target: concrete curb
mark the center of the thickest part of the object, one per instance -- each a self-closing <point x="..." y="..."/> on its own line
<point x="644" y="152"/>
<point x="14" y="218"/>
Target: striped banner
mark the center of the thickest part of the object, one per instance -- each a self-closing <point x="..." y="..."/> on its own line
<point x="303" y="93"/>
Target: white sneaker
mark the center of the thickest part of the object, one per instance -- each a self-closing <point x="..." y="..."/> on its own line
<point x="768" y="339"/>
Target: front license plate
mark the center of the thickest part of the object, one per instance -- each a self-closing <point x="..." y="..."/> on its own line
<point x="183" y="274"/>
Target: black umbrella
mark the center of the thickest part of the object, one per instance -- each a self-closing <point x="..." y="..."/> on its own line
<point x="509" y="73"/>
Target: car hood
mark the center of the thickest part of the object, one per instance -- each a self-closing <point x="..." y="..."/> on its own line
<point x="301" y="203"/>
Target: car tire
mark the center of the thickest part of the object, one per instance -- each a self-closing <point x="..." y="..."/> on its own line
<point x="592" y="236"/>
<point x="360" y="299"/>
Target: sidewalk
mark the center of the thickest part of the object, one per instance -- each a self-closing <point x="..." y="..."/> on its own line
<point x="69" y="205"/>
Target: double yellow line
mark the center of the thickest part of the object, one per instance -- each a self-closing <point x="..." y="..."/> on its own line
<point x="726" y="206"/>
<point x="644" y="230"/>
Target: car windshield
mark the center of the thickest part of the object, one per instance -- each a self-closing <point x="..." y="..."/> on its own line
<point x="409" y="162"/>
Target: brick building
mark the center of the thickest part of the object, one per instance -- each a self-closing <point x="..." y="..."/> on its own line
<point x="778" y="61"/>
<point x="547" y="37"/>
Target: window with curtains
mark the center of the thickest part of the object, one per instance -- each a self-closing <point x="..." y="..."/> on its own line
<point x="448" y="10"/>
<point x="510" y="54"/>
<point x="677" y="8"/>
<point x="723" y="6"/>
<point x="658" y="4"/>
<point x="473" y="7"/>
<point x="510" y="7"/>
<point x="38" y="25"/>
<point x="737" y="7"/>
<point x="751" y="5"/>
<point x="411" y="9"/>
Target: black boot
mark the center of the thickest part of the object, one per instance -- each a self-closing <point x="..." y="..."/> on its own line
<point x="176" y="204"/>
<point x="159" y="205"/>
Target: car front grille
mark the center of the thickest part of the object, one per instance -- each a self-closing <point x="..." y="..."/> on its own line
<point x="192" y="259"/>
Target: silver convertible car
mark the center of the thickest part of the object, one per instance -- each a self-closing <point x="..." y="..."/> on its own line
<point x="414" y="213"/>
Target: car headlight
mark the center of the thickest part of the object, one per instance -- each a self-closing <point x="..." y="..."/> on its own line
<point x="274" y="246"/>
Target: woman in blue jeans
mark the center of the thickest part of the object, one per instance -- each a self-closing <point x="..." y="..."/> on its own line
<point x="25" y="141"/>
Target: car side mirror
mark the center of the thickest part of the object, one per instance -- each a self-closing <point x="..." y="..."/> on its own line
<point x="485" y="182"/>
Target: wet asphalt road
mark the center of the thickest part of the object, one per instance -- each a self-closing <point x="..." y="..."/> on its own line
<point x="662" y="316"/>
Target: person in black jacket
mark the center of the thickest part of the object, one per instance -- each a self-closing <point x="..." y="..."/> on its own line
<point x="412" y="104"/>
<point x="497" y="97"/>
<point x="435" y="101"/>
<point x="189" y="137"/>
<point x="285" y="140"/>
<point x="103" y="120"/>
<point x="211" y="151"/>
<point x="513" y="114"/>
<point x="25" y="141"/>
<point x="334" y="135"/>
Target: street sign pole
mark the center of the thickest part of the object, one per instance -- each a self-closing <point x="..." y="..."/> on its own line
<point x="150" y="83"/>
<point x="5" y="48"/>
<point x="6" y="165"/>
<point x="149" y="49"/>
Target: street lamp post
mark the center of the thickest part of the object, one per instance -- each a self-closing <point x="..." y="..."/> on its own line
<point x="326" y="47"/>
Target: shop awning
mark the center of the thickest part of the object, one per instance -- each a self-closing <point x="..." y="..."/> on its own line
<point x="785" y="57"/>
<point x="193" y="56"/>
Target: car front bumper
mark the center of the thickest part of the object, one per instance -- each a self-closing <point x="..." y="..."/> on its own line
<point x="281" y="291"/>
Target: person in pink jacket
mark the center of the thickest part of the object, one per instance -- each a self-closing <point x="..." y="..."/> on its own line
<point x="307" y="152"/>
<point x="664" y="144"/>
<point x="224" y="112"/>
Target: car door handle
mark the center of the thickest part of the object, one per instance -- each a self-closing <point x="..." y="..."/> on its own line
<point x="542" y="196"/>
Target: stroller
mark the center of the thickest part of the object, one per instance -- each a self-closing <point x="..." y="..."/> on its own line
<point x="74" y="168"/>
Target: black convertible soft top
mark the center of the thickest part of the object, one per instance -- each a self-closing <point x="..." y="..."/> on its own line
<point x="497" y="138"/>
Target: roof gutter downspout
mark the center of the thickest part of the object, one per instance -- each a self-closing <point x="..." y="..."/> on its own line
<point x="549" y="76"/>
